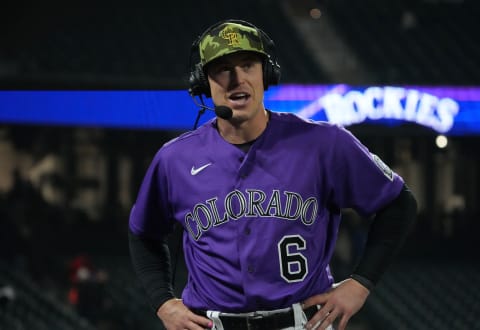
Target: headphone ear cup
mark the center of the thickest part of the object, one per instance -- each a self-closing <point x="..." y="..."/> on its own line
<point x="198" y="82"/>
<point x="271" y="68"/>
<point x="271" y="73"/>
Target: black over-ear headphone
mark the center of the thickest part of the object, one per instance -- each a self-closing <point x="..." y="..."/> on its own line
<point x="198" y="81"/>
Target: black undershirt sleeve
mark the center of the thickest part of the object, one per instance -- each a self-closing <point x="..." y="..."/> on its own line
<point x="388" y="231"/>
<point x="151" y="262"/>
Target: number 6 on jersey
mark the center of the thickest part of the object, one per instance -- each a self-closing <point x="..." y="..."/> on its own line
<point x="293" y="265"/>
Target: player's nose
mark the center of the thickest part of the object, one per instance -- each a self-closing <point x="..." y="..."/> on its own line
<point x="237" y="76"/>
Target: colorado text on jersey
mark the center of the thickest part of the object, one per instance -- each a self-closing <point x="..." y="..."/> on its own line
<point x="251" y="203"/>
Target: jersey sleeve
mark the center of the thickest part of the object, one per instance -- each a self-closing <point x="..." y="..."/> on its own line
<point x="361" y="180"/>
<point x="150" y="216"/>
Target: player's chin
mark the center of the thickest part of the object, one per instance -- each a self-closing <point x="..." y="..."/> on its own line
<point x="238" y="118"/>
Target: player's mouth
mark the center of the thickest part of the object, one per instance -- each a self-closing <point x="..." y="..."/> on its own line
<point x="239" y="99"/>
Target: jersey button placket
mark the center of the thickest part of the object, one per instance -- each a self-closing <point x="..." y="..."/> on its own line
<point x="245" y="168"/>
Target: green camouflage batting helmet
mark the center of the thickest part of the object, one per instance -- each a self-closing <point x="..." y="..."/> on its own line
<point x="228" y="38"/>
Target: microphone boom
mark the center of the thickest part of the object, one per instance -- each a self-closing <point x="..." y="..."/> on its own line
<point x="221" y="111"/>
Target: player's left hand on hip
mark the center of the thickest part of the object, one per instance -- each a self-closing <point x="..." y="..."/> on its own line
<point x="341" y="302"/>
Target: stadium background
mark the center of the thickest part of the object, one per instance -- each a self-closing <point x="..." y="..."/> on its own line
<point x="65" y="191"/>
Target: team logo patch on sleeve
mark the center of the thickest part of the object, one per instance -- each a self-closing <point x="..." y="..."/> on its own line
<point x="384" y="167"/>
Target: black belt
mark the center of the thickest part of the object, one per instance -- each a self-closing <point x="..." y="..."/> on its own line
<point x="278" y="320"/>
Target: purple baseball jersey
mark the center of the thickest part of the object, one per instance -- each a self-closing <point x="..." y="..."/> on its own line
<point x="260" y="227"/>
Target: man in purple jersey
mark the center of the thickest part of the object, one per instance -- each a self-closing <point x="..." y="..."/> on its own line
<point x="259" y="197"/>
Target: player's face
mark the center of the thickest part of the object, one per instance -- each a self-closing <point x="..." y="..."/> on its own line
<point x="236" y="81"/>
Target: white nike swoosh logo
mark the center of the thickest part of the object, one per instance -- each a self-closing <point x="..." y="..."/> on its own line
<point x="195" y="171"/>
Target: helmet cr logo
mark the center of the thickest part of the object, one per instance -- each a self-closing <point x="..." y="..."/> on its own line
<point x="232" y="37"/>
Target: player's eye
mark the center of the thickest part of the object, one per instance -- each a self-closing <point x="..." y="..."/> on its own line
<point x="221" y="69"/>
<point x="247" y="65"/>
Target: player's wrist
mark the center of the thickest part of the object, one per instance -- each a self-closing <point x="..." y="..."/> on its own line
<point x="363" y="281"/>
<point x="166" y="305"/>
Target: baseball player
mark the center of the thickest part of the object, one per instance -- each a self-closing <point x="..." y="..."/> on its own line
<point x="259" y="196"/>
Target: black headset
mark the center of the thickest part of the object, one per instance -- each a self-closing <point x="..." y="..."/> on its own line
<point x="198" y="81"/>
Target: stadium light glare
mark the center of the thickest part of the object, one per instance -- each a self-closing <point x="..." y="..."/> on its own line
<point x="441" y="141"/>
